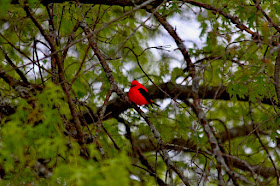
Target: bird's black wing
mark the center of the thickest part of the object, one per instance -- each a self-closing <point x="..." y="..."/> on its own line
<point x="145" y="94"/>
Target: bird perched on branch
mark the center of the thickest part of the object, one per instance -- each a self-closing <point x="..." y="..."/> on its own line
<point x="139" y="95"/>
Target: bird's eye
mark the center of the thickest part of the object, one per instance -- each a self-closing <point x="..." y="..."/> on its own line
<point x="133" y="85"/>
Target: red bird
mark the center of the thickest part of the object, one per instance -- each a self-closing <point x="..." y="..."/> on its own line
<point x="139" y="95"/>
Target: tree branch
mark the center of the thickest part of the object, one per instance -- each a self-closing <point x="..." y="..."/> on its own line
<point x="189" y="146"/>
<point x="257" y="4"/>
<point x="24" y="90"/>
<point x="181" y="92"/>
<point x="216" y="149"/>
<point x="120" y="93"/>
<point x="19" y="72"/>
<point x="276" y="76"/>
<point x="61" y="74"/>
<point x="138" y="152"/>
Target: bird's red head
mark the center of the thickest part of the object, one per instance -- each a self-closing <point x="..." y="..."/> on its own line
<point x="134" y="83"/>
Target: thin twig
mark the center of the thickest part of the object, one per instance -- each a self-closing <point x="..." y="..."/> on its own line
<point x="99" y="123"/>
<point x="262" y="144"/>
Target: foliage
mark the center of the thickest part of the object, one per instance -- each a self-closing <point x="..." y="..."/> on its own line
<point x="54" y="87"/>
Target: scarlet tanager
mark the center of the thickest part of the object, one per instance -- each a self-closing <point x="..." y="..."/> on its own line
<point x="139" y="95"/>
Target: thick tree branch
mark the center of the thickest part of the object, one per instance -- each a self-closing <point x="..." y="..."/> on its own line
<point x="117" y="106"/>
